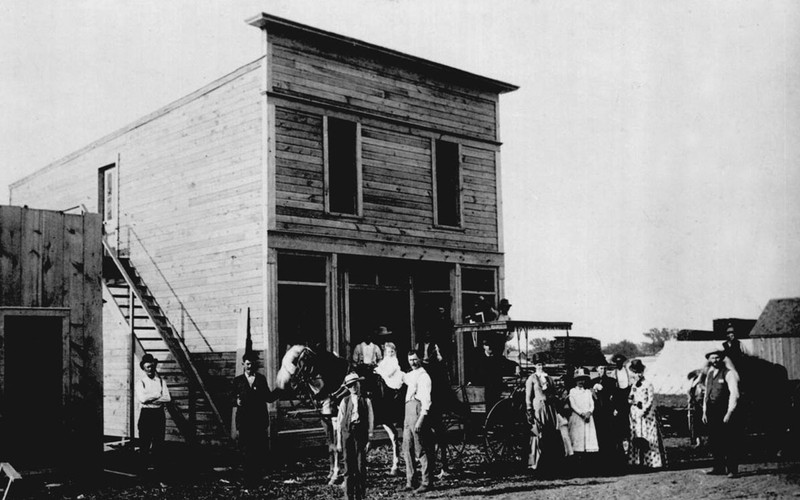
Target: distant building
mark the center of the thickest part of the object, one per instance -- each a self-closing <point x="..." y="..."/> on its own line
<point x="776" y="335"/>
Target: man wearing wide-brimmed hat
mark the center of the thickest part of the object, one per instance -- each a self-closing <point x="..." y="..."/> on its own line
<point x="356" y="422"/>
<point x="152" y="393"/>
<point x="719" y="414"/>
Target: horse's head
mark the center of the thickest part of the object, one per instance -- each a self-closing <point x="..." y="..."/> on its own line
<point x="299" y="368"/>
<point x="288" y="371"/>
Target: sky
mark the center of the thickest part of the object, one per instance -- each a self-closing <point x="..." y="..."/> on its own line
<point x="651" y="157"/>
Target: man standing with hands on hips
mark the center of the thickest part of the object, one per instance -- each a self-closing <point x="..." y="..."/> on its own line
<point x="417" y="439"/>
<point x="719" y="405"/>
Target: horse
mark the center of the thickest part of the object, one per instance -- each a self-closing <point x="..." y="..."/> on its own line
<point x="764" y="397"/>
<point x="321" y="372"/>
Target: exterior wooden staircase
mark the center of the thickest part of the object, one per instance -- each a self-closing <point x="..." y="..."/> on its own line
<point x="194" y="416"/>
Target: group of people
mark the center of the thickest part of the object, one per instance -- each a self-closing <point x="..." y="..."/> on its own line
<point x="602" y="422"/>
<point x="356" y="414"/>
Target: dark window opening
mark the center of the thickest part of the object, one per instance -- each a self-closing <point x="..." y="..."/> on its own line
<point x="302" y="299"/>
<point x="448" y="184"/>
<point x="343" y="167"/>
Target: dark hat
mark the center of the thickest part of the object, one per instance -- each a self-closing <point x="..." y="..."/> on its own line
<point x="718" y="352"/>
<point x="580" y="374"/>
<point x="147" y="358"/>
<point x="382" y="330"/>
<point x="618" y="358"/>
<point x="636" y="366"/>
<point x="504" y="303"/>
<point x="250" y="356"/>
<point x="730" y="329"/>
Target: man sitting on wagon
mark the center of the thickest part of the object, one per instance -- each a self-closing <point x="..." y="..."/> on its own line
<point x="493" y="366"/>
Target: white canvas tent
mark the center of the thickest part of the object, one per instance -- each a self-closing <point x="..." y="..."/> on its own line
<point x="668" y="370"/>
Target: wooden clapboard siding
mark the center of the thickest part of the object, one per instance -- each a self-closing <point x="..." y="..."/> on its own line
<point x="52" y="261"/>
<point x="397" y="188"/>
<point x="784" y="351"/>
<point x="220" y="369"/>
<point x="361" y="80"/>
<point x="190" y="189"/>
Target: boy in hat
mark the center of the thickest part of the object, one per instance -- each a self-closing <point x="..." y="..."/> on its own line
<point x="252" y="415"/>
<point x="356" y="421"/>
<point x="153" y="394"/>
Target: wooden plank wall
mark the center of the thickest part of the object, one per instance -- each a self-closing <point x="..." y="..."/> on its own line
<point x="220" y="368"/>
<point x="190" y="191"/>
<point x="357" y="80"/>
<point x="49" y="259"/>
<point x="397" y="187"/>
<point x="401" y="111"/>
<point x="781" y="350"/>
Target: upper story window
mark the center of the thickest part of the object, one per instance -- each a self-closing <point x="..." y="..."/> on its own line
<point x="342" y="166"/>
<point x="447" y="184"/>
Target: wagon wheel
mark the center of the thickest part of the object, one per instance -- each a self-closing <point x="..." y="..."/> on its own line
<point x="454" y="437"/>
<point x="506" y="432"/>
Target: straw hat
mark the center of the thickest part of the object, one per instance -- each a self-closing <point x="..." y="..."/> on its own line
<point x="351" y="379"/>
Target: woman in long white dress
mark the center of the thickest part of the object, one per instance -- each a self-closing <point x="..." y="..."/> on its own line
<point x="582" y="431"/>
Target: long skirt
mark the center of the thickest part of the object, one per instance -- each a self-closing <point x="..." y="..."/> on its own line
<point x="647" y="446"/>
<point x="583" y="434"/>
<point x="545" y="436"/>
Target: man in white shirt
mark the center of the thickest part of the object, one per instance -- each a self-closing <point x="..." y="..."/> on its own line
<point x="417" y="438"/>
<point x="719" y="405"/>
<point x="153" y="394"/>
<point x="368" y="352"/>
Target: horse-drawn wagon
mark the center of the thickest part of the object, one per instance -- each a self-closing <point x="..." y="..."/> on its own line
<point x="501" y="415"/>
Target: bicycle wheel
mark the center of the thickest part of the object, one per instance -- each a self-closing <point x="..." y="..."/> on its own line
<point x="506" y="433"/>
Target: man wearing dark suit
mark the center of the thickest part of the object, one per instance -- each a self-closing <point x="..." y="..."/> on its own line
<point x="252" y="416"/>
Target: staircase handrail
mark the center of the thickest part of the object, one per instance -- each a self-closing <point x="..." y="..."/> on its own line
<point x="185" y="355"/>
<point x="172" y="407"/>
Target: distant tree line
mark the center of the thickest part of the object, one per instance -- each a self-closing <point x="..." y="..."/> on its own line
<point x="655" y="339"/>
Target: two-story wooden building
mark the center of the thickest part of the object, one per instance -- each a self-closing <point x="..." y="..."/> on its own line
<point x="326" y="188"/>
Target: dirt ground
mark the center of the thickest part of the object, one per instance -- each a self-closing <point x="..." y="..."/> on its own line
<point x="197" y="476"/>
